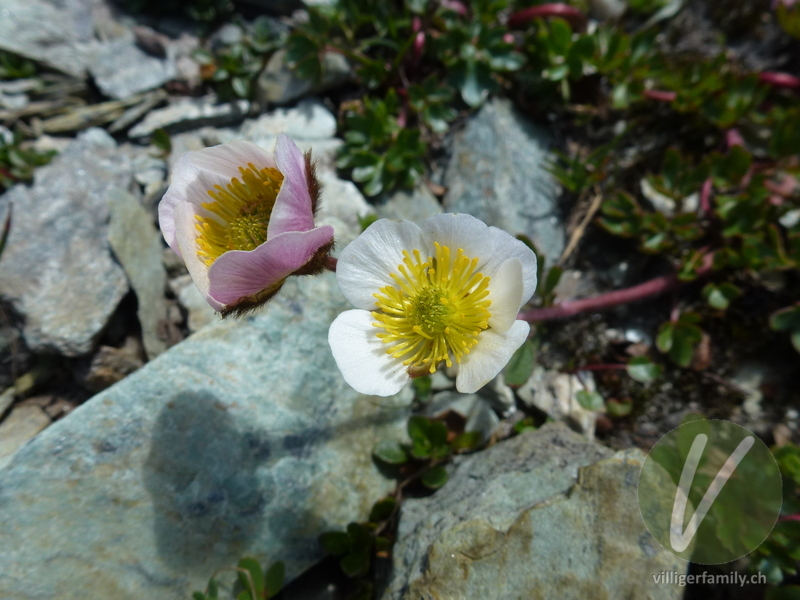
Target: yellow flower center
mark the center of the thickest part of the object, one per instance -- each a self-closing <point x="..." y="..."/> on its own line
<point x="438" y="309"/>
<point x="241" y="212"/>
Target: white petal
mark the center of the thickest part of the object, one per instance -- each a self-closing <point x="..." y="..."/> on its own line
<point x="487" y="359"/>
<point x="459" y="231"/>
<point x="505" y="292"/>
<point x="224" y="160"/>
<point x="506" y="246"/>
<point x="365" y="264"/>
<point x="186" y="235"/>
<point x="361" y="356"/>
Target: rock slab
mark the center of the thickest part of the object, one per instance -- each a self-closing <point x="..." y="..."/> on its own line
<point x="57" y="270"/>
<point x="497" y="173"/>
<point x="545" y="515"/>
<point x="138" y="247"/>
<point x="242" y="440"/>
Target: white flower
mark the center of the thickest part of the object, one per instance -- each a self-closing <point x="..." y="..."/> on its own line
<point x="446" y="292"/>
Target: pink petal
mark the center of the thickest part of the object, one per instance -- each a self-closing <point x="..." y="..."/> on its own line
<point x="292" y="211"/>
<point x="237" y="273"/>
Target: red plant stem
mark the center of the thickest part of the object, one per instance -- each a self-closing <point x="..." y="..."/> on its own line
<point x="733" y="138"/>
<point x="648" y="289"/>
<point x="660" y="95"/>
<point x="795" y="517"/>
<point x="705" y="197"/>
<point x="455" y="6"/>
<point x="569" y="13"/>
<point x="330" y="263"/>
<point x="780" y="80"/>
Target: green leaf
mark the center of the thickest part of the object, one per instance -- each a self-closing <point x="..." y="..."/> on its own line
<point x="382" y="509"/>
<point x="467" y="441"/>
<point x="683" y="343"/>
<point x="241" y="87"/>
<point x="590" y="400"/>
<point x="161" y="140"/>
<point x="422" y="387"/>
<point x="367" y="220"/>
<point x="274" y="578"/>
<point x="643" y="369"/>
<point x="251" y="566"/>
<point x="437" y="434"/>
<point x="520" y="367"/>
<point x="336" y="543"/>
<point x="360" y="538"/>
<point x="418" y="427"/>
<point x="212" y="589"/>
<point x="390" y="452"/>
<point x="720" y="295"/>
<point x="665" y="335"/>
<point x="785" y="319"/>
<point x="435" y="477"/>
<point x="796" y="339"/>
<point x="198" y="596"/>
<point x="552" y="279"/>
<point x="619" y="408"/>
<point x="355" y="564"/>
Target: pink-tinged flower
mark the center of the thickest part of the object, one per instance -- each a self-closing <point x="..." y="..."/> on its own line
<point x="445" y="293"/>
<point x="242" y="219"/>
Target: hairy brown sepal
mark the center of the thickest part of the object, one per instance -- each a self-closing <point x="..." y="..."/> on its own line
<point x="248" y="304"/>
<point x="314" y="185"/>
<point x="316" y="265"/>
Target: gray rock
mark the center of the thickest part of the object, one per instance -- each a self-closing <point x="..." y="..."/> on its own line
<point x="138" y="246"/>
<point x="56" y="269"/>
<point x="341" y="206"/>
<point x="243" y="439"/>
<point x="309" y="120"/>
<point x="62" y="35"/>
<point x="199" y="312"/>
<point x="546" y="514"/>
<point x="556" y="394"/>
<point x="497" y="173"/>
<point x="21" y="426"/>
<point x="110" y="365"/>
<point x="191" y="113"/>
<point x="56" y="34"/>
<point x="278" y="84"/>
<point x="417" y="205"/>
<point x="6" y="400"/>
<point x="122" y="69"/>
<point x="478" y="415"/>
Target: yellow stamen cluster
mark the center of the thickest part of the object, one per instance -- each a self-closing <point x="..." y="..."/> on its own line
<point x="438" y="309"/>
<point x="242" y="209"/>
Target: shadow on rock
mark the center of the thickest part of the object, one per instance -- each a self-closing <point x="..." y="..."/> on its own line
<point x="201" y="473"/>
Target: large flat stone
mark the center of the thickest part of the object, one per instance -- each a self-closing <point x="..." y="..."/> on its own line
<point x="138" y="246"/>
<point x="497" y="173"/>
<point x="242" y="440"/>
<point x="57" y="270"/>
<point x="545" y="515"/>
